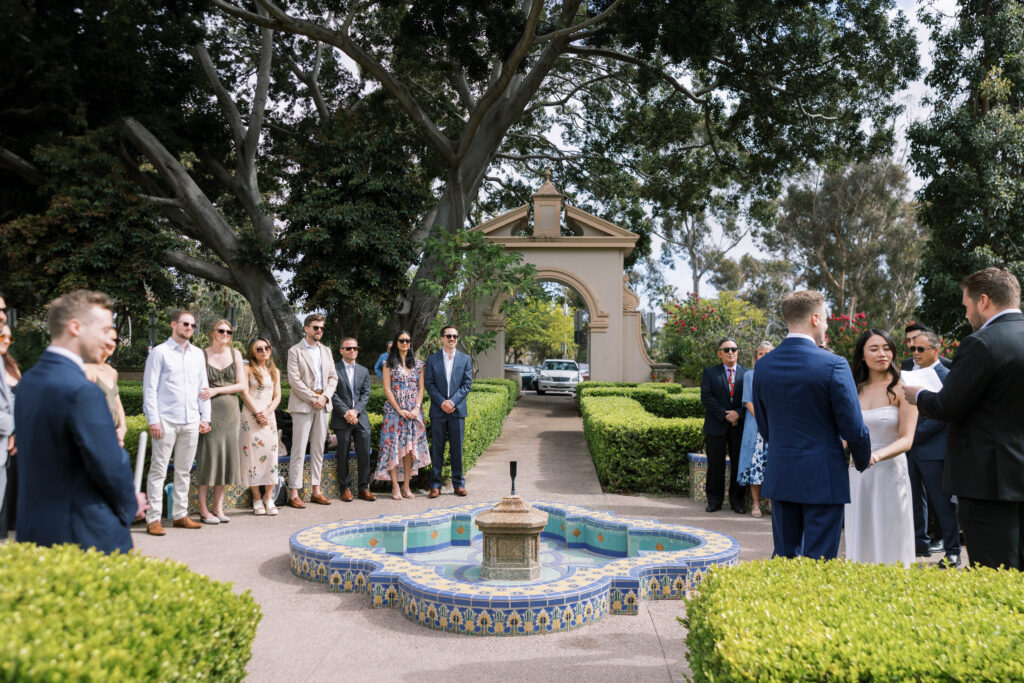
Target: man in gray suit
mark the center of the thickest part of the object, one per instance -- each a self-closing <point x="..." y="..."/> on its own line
<point x="349" y="419"/>
<point x="6" y="428"/>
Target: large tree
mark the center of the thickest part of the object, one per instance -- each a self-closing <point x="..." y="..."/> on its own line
<point x="971" y="152"/>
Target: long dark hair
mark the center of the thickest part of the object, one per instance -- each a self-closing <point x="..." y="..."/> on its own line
<point x="861" y="374"/>
<point x="254" y="360"/>
<point x="394" y="360"/>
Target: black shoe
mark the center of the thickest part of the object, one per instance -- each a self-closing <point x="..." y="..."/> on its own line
<point x="922" y="552"/>
<point x="950" y="561"/>
<point x="935" y="546"/>
<point x="738" y="510"/>
<point x="712" y="508"/>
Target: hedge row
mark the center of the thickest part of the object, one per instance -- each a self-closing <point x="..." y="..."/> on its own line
<point x="656" y="400"/>
<point x="667" y="387"/>
<point x="74" y="615"/>
<point x="801" y="620"/>
<point x="509" y="386"/>
<point x="634" y="450"/>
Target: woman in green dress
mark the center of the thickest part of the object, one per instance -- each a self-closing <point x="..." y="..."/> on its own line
<point x="217" y="454"/>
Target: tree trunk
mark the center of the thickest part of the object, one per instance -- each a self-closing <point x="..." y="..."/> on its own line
<point x="274" y="316"/>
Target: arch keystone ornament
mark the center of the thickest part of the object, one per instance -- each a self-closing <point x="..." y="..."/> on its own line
<point x="574" y="248"/>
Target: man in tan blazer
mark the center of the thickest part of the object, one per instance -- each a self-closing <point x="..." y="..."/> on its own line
<point x="313" y="379"/>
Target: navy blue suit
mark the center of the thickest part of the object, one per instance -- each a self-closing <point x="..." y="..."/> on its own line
<point x="805" y="403"/>
<point x="720" y="435"/>
<point x="74" y="483"/>
<point x="925" y="461"/>
<point x="447" y="428"/>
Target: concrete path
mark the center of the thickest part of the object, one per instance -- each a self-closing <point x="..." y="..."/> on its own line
<point x="310" y="634"/>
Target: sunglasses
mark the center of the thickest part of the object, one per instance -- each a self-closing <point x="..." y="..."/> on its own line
<point x="920" y="349"/>
<point x="227" y="332"/>
<point x="451" y="336"/>
<point x="186" y="324"/>
<point x="729" y="349"/>
<point x="261" y="349"/>
<point x="349" y="348"/>
<point x="316" y="327"/>
<point x="405" y="341"/>
<point x="6" y="337"/>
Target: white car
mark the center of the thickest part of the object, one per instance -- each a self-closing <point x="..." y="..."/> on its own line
<point x="557" y="374"/>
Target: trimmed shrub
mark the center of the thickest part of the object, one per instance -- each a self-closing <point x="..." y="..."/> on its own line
<point x="74" y="615"/>
<point x="805" y="620"/>
<point x="634" y="450"/>
<point x="131" y="396"/>
<point x="655" y="400"/>
<point x="510" y="386"/>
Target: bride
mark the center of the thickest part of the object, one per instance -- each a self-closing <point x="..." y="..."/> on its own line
<point x="879" y="518"/>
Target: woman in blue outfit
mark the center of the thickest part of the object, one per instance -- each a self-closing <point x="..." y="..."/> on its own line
<point x="750" y="470"/>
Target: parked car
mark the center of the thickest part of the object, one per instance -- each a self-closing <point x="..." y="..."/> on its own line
<point x="527" y="373"/>
<point x="558" y="374"/>
<point x="585" y="371"/>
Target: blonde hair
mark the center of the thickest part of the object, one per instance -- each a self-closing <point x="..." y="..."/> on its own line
<point x="798" y="307"/>
<point x="72" y="305"/>
<point x="763" y="345"/>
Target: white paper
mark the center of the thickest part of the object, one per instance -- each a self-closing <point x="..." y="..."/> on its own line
<point x="925" y="377"/>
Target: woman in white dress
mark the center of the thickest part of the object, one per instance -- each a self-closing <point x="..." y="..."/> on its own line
<point x="879" y="518"/>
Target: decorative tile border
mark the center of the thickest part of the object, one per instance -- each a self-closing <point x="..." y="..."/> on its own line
<point x="699" y="477"/>
<point x="378" y="557"/>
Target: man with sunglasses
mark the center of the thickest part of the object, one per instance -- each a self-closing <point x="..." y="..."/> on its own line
<point x="720" y="391"/>
<point x="448" y="378"/>
<point x="174" y="376"/>
<point x="313" y="379"/>
<point x="349" y="420"/>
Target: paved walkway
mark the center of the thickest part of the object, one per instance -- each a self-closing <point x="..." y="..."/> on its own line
<point x="310" y="634"/>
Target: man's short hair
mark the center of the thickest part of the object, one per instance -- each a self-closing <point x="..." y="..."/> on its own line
<point x="348" y="339"/>
<point x="915" y="327"/>
<point x="73" y="305"/>
<point x="726" y="339"/>
<point x="176" y="315"/>
<point x="933" y="339"/>
<point x="313" y="318"/>
<point x="798" y="306"/>
<point x="1000" y="285"/>
<point x="448" y="327"/>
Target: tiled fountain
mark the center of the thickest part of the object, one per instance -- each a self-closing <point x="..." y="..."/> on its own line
<point x="428" y="564"/>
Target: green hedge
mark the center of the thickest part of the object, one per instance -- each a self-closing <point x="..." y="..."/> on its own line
<point x="634" y="450"/>
<point x="667" y="387"/>
<point x="655" y="400"/>
<point x="510" y="386"/>
<point x="801" y="620"/>
<point x="72" y="615"/>
<point x="131" y="396"/>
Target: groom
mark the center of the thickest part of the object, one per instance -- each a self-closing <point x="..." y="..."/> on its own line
<point x="805" y="403"/>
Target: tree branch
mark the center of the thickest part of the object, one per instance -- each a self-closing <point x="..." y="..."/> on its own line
<point x="24" y="169"/>
<point x="630" y="59"/>
<point x="259" y="99"/>
<point x="231" y="113"/>
<point x="570" y="30"/>
<point x="200" y="268"/>
<point x="162" y="201"/>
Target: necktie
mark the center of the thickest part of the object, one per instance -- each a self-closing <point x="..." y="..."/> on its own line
<point x="731" y="383"/>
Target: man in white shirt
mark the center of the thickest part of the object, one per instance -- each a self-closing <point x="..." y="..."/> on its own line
<point x="313" y="379"/>
<point x="177" y="414"/>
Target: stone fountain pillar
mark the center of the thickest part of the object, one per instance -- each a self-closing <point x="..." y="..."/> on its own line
<point x="511" y="532"/>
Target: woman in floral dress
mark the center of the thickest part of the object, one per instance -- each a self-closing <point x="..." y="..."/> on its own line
<point x="257" y="436"/>
<point x="403" y="436"/>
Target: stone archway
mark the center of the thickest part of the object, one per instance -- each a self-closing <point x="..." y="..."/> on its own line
<point x="587" y="254"/>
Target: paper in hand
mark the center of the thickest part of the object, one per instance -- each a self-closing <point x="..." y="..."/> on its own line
<point x="925" y="377"/>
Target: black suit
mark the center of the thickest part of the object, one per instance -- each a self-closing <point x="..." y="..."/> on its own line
<point x="352" y="397"/>
<point x="719" y="434"/>
<point x="982" y="399"/>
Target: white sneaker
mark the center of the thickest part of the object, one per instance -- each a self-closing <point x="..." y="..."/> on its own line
<point x="258" y="508"/>
<point x="271" y="508"/>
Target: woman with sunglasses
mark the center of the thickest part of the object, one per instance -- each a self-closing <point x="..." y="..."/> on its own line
<point x="257" y="437"/>
<point x="217" y="453"/>
<point x="403" y="436"/>
<point x="105" y="377"/>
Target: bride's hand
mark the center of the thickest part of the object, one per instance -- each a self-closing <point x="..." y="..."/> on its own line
<point x="874" y="460"/>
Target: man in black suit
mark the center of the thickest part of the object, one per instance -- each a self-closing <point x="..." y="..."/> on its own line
<point x="721" y="388"/>
<point x="925" y="462"/>
<point x="349" y="419"/>
<point x="909" y="332"/>
<point x="983" y="404"/>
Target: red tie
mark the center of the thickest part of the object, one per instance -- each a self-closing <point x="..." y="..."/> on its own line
<point x="730" y="370"/>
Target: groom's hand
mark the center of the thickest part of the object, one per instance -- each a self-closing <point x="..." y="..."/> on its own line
<point x="910" y="393"/>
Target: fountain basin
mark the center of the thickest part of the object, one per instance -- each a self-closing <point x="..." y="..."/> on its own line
<point x="594" y="563"/>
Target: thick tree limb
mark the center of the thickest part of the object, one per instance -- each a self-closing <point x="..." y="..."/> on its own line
<point x="227" y="103"/>
<point x="24" y="169"/>
<point x="199" y="268"/>
<point x="259" y="100"/>
<point x="570" y="30"/>
<point x="162" y="201"/>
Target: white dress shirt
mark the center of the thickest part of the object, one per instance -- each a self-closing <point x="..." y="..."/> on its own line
<point x="171" y="384"/>
<point x="350" y="373"/>
<point x="70" y="355"/>
<point x="317" y="361"/>
<point x="449" y="363"/>
<point x="1003" y="312"/>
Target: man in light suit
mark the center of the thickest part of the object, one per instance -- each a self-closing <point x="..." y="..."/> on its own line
<point x="983" y="404"/>
<point x="721" y="388"/>
<point x="6" y="432"/>
<point x="349" y="419"/>
<point x="75" y="482"/>
<point x="925" y="461"/>
<point x="805" y="403"/>
<point x="313" y="380"/>
<point x="448" y="378"/>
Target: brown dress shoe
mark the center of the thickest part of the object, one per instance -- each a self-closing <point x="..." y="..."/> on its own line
<point x="156" y="529"/>
<point x="434" y="493"/>
<point x="187" y="522"/>
<point x="319" y="499"/>
<point x="296" y="503"/>
<point x="346" y="496"/>
<point x="367" y="496"/>
<point x="461" y="491"/>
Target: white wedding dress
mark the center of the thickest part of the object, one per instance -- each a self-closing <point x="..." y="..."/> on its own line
<point x="879" y="518"/>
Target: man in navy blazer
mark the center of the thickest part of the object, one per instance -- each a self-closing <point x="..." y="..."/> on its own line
<point x="721" y="388"/>
<point x="448" y="378"/>
<point x="75" y="482"/>
<point x="805" y="403"/>
<point x="925" y="461"/>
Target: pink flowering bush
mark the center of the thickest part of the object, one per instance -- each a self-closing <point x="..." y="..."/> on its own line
<point x="843" y="332"/>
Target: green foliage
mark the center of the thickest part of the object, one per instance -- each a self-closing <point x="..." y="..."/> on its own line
<point x="634" y="450"/>
<point x="86" y="616"/>
<point x="537" y="325"/>
<point x="656" y="401"/>
<point x="131" y="396"/>
<point x="806" y="620"/>
<point x="843" y="332"/>
<point x="136" y="426"/>
<point x="508" y="386"/>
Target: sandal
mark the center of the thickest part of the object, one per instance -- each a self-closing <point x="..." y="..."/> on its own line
<point x="408" y="494"/>
<point x="756" y="512"/>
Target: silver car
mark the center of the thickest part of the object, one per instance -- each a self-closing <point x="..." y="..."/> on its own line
<point x="558" y="374"/>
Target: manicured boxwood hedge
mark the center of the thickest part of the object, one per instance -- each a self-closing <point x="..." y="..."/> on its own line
<point x="131" y="396"/>
<point x="801" y="620"/>
<point x="667" y="387"/>
<point x="72" y="615"/>
<point x="634" y="450"/>
<point x="655" y="399"/>
<point x="510" y="387"/>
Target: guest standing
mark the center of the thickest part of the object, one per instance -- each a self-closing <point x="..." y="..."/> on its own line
<point x="8" y="463"/>
<point x="350" y="421"/>
<point x="378" y="367"/>
<point x="75" y="484"/>
<point x="403" y="437"/>
<point x="105" y="377"/>
<point x="172" y="386"/>
<point x="217" y="453"/>
<point x="721" y="390"/>
<point x="257" y="435"/>
<point x="982" y="402"/>
<point x="753" y="446"/>
<point x="313" y="380"/>
<point x="449" y="378"/>
<point x="12" y="372"/>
